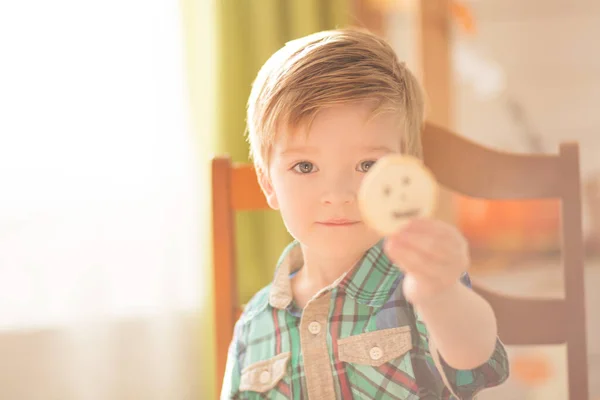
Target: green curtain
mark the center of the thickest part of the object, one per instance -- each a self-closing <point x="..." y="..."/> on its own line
<point x="248" y="32"/>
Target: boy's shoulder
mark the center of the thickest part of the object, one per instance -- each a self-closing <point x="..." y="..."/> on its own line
<point x="257" y="303"/>
<point x="261" y="299"/>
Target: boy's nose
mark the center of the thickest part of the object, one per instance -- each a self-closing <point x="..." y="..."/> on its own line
<point x="339" y="194"/>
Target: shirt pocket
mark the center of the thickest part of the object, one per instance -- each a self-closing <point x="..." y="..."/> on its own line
<point x="267" y="377"/>
<point x="378" y="364"/>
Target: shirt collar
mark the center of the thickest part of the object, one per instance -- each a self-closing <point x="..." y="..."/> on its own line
<point x="369" y="282"/>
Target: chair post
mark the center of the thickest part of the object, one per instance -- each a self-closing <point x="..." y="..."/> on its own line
<point x="225" y="285"/>
<point x="573" y="270"/>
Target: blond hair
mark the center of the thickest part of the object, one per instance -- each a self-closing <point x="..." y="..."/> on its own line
<point x="325" y="69"/>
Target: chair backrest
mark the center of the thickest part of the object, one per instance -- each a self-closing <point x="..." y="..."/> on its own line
<point x="469" y="169"/>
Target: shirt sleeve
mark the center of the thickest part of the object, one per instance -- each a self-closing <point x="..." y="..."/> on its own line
<point x="465" y="384"/>
<point x="232" y="376"/>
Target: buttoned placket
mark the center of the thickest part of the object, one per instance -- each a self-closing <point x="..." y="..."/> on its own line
<point x="315" y="352"/>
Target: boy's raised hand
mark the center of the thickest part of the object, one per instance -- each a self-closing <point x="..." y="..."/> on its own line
<point x="432" y="254"/>
<point x="397" y="198"/>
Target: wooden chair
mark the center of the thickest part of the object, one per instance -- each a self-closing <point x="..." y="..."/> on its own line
<point x="470" y="169"/>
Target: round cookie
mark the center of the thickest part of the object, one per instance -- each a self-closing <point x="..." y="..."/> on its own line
<point x="396" y="189"/>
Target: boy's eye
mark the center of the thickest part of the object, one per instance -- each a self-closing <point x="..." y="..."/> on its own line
<point x="304" y="167"/>
<point x="365" y="165"/>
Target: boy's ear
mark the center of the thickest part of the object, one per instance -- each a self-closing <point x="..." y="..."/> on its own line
<point x="267" y="188"/>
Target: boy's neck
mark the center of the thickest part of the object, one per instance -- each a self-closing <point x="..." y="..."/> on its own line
<point x="320" y="271"/>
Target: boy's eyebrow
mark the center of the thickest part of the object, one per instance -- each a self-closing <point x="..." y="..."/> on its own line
<point x="378" y="149"/>
<point x="301" y="149"/>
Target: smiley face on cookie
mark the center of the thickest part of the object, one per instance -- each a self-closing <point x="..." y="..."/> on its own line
<point x="396" y="189"/>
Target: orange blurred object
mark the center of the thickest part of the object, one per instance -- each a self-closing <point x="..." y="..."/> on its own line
<point x="531" y="369"/>
<point x="514" y="226"/>
<point x="463" y="15"/>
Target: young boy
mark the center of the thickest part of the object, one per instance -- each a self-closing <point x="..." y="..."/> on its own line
<point x="349" y="314"/>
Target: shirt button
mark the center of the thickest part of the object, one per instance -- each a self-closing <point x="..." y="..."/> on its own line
<point x="376" y="353"/>
<point x="265" y="376"/>
<point x="314" y="327"/>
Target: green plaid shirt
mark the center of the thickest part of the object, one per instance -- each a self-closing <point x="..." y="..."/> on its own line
<point x="356" y="339"/>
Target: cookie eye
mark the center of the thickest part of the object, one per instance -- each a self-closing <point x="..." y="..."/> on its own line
<point x="406" y="180"/>
<point x="387" y="190"/>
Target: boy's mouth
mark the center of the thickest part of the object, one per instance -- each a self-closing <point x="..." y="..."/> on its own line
<point x="338" y="222"/>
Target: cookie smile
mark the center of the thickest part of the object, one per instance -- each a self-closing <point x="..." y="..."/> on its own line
<point x="405" y="214"/>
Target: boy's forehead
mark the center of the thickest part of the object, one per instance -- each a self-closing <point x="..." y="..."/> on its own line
<point x="342" y="128"/>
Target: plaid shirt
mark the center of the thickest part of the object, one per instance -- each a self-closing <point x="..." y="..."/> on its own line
<point x="356" y="339"/>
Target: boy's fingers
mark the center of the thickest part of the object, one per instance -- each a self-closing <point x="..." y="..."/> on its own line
<point x="434" y="251"/>
<point x="414" y="261"/>
<point x="431" y="227"/>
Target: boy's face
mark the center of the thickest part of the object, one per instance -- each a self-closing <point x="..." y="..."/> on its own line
<point x="315" y="177"/>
